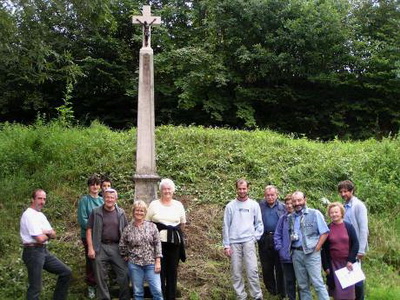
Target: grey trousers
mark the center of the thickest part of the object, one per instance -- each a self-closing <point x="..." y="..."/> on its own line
<point x="109" y="254"/>
<point x="245" y="253"/>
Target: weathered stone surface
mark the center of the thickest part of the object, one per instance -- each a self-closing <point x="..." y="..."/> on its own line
<point x="146" y="177"/>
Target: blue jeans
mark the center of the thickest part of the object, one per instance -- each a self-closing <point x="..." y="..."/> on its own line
<point x="38" y="259"/>
<point x="138" y="274"/>
<point x="307" y="267"/>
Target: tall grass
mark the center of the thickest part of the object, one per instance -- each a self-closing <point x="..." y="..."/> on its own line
<point x="204" y="163"/>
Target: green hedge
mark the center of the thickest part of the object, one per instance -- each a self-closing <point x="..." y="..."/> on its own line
<point x="204" y="163"/>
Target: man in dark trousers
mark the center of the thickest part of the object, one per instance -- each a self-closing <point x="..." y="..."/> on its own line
<point x="36" y="231"/>
<point x="356" y="215"/>
<point x="271" y="209"/>
<point x="104" y="230"/>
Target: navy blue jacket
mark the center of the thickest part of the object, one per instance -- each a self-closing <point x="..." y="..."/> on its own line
<point x="282" y="239"/>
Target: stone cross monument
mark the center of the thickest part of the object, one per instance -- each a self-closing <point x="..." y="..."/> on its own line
<point x="146" y="177"/>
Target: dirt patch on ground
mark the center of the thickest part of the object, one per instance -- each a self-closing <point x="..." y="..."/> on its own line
<point x="205" y="274"/>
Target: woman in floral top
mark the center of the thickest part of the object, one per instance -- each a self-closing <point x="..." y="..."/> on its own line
<point x="140" y="246"/>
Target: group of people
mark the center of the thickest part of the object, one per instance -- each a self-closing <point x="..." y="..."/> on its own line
<point x="294" y="243"/>
<point x="146" y="249"/>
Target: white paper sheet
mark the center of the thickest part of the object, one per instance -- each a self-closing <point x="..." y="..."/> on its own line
<point x="348" y="278"/>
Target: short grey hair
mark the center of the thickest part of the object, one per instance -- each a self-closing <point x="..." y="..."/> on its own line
<point x="168" y="182"/>
<point x="111" y="191"/>
<point x="271" y="187"/>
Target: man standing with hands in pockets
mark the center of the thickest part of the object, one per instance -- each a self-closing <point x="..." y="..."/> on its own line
<point x="308" y="232"/>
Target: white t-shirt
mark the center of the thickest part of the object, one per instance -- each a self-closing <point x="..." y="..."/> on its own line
<point x="173" y="214"/>
<point x="32" y="224"/>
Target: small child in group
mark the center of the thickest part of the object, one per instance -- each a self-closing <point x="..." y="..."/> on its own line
<point x="86" y="204"/>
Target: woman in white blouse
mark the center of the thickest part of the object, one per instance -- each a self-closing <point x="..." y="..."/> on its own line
<point x="169" y="216"/>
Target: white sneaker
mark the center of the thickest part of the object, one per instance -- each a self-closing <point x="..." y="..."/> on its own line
<point x="91" y="292"/>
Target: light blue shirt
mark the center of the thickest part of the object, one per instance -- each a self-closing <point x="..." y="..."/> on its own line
<point x="356" y="215"/>
<point x="348" y="212"/>
<point x="309" y="225"/>
<point x="297" y="231"/>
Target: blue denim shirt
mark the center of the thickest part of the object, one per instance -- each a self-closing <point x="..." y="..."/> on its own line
<point x="309" y="226"/>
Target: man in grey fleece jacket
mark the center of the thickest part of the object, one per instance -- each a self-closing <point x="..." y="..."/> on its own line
<point x="356" y="214"/>
<point x="242" y="227"/>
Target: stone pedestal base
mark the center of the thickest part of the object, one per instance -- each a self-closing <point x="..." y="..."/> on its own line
<point x="146" y="187"/>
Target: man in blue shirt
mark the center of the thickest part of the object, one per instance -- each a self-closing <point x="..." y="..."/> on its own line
<point x="308" y="232"/>
<point x="271" y="209"/>
<point x="356" y="215"/>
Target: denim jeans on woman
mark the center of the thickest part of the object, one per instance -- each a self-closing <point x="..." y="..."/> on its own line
<point x="138" y="275"/>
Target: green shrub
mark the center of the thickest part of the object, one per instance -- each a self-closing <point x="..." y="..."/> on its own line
<point x="204" y="163"/>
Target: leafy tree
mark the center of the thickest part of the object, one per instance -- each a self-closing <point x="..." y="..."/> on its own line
<point x="377" y="50"/>
<point x="34" y="70"/>
<point x="60" y="42"/>
<point x="320" y="68"/>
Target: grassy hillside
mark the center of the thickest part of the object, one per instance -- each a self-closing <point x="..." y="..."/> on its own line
<point x="204" y="163"/>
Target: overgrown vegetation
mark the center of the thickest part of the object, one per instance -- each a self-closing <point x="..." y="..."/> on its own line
<point x="204" y="163"/>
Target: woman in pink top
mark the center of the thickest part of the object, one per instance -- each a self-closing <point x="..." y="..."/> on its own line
<point x="339" y="251"/>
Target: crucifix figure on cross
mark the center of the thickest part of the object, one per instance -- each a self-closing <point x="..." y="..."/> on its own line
<point x="147" y="20"/>
<point x="146" y="177"/>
